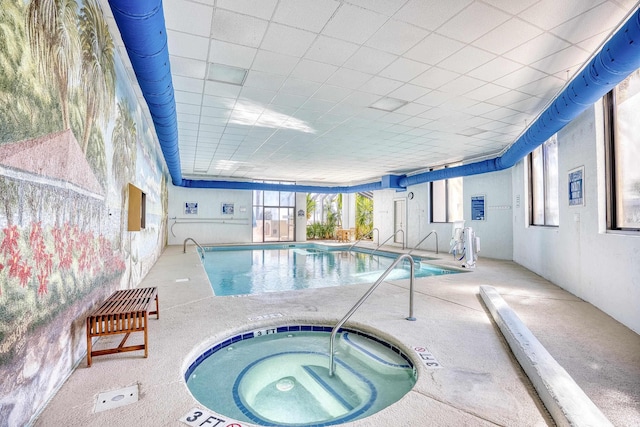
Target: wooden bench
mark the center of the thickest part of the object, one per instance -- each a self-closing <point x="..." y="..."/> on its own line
<point x="124" y="312"/>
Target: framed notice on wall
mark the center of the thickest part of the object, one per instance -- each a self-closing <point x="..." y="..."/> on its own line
<point x="477" y="208"/>
<point x="576" y="187"/>
<point x="227" y="209"/>
<point x="191" y="208"/>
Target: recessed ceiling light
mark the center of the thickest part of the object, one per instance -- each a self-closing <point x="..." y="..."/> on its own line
<point x="388" y="104"/>
<point x="226" y="74"/>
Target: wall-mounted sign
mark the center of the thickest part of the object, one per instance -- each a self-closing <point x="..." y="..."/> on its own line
<point x="301" y="212"/>
<point x="576" y="187"/>
<point x="227" y="209"/>
<point x="477" y="208"/>
<point x="191" y="208"/>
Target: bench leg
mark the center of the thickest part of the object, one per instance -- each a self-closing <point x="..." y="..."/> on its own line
<point x="89" y="342"/>
<point x="146" y="324"/>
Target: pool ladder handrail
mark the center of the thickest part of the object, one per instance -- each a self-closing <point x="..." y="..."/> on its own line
<point x="362" y="238"/>
<point x="389" y="238"/>
<point x="357" y="305"/>
<point x="184" y="245"/>
<point x="425" y="238"/>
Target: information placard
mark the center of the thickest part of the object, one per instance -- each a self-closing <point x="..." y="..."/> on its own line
<point x="477" y="208"/>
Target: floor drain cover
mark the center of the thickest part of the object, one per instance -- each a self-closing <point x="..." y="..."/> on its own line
<point x="115" y="398"/>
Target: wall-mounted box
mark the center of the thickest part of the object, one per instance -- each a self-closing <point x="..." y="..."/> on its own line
<point x="137" y="208"/>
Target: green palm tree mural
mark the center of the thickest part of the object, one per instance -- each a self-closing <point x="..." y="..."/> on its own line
<point x="98" y="74"/>
<point x="52" y="30"/>
<point x="124" y="139"/>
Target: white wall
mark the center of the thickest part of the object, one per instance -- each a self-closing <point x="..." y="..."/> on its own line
<point x="210" y="226"/>
<point x="580" y="256"/>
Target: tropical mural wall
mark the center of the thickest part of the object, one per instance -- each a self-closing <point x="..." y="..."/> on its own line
<point x="72" y="136"/>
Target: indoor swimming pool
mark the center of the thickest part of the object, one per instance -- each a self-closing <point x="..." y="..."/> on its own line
<point x="256" y="269"/>
<point x="280" y="376"/>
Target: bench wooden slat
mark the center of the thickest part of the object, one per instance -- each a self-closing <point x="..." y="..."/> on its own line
<point x="124" y="312"/>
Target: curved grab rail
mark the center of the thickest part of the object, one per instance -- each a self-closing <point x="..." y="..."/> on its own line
<point x="360" y="240"/>
<point x="357" y="305"/>
<point x="425" y="238"/>
<point x="390" y="237"/>
<point x="376" y="229"/>
<point x="184" y="245"/>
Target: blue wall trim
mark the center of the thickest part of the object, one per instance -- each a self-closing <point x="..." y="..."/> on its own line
<point x="143" y="31"/>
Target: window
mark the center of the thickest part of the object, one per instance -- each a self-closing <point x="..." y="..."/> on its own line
<point x="622" y="153"/>
<point x="543" y="184"/>
<point x="273" y="216"/>
<point x="446" y="200"/>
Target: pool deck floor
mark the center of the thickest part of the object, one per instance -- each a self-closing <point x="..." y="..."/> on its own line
<point x="479" y="383"/>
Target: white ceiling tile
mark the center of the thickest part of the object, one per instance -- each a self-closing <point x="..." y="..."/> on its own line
<point x="188" y="84"/>
<point x="188" y="67"/>
<point x="530" y="104"/>
<point x="188" y="97"/>
<point x="187" y="108"/>
<point x="287" y="40"/>
<point x="261" y="80"/>
<point x="547" y="14"/>
<point x="310" y="15"/>
<point x="487" y="91"/>
<point x="331" y="93"/>
<point x="319" y="105"/>
<point x="188" y="17"/>
<point x="434" y="77"/>
<point x="434" y="98"/>
<point x="261" y="9"/>
<point x="593" y="43"/>
<point x="274" y="63"/>
<point x="385" y="7"/>
<point x="404" y="69"/>
<point x="605" y="16"/>
<point x="288" y="100"/>
<point x="570" y="59"/>
<point x="544" y="88"/>
<point x="300" y="87"/>
<point x="187" y="45"/>
<point x="510" y="6"/>
<point x="507" y="36"/>
<point x="362" y="99"/>
<point x="409" y="92"/>
<point x="434" y="48"/>
<point x="396" y="37"/>
<point x="235" y="28"/>
<point x="544" y="45"/>
<point x="331" y="51"/>
<point x="345" y="77"/>
<point x="256" y="96"/>
<point x="494" y="69"/>
<point x="353" y="24"/>
<point x="380" y="85"/>
<point x="462" y="85"/>
<point x="223" y="90"/>
<point x="370" y="60"/>
<point x="430" y="14"/>
<point x="231" y="54"/>
<point x="313" y="71"/>
<point x="215" y="112"/>
<point x="466" y="59"/>
<point x="520" y="77"/>
<point x="467" y="27"/>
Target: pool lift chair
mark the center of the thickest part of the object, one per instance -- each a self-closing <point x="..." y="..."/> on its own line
<point x="464" y="244"/>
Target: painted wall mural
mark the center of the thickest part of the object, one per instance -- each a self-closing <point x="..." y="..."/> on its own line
<point x="72" y="136"/>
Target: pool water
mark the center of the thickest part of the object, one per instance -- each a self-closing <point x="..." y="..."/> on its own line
<point x="280" y="377"/>
<point x="252" y="270"/>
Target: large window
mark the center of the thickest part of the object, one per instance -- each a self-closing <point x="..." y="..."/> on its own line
<point x="543" y="184"/>
<point x="623" y="152"/>
<point x="446" y="200"/>
<point x="273" y="216"/>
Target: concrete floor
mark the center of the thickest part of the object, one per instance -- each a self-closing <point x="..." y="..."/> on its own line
<point x="480" y="382"/>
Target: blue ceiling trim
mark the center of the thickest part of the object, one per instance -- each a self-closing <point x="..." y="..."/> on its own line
<point x="143" y="31"/>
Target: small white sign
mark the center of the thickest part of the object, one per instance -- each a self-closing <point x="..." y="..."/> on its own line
<point x="201" y="417"/>
<point x="427" y="358"/>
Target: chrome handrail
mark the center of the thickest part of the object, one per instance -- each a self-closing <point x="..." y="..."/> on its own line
<point x="375" y="229"/>
<point x="425" y="238"/>
<point x="390" y="237"/>
<point x="360" y="240"/>
<point x="184" y="245"/>
<point x="362" y="300"/>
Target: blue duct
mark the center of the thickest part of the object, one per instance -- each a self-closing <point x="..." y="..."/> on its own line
<point x="142" y="27"/>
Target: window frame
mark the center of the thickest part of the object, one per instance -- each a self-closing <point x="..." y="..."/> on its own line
<point x="447" y="202"/>
<point x="532" y="175"/>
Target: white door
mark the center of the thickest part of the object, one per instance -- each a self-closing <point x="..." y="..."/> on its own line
<point x="399" y="216"/>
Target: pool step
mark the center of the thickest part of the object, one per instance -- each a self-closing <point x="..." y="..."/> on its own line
<point x="382" y="359"/>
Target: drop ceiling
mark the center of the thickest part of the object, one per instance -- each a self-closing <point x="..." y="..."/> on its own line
<point x="343" y="92"/>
